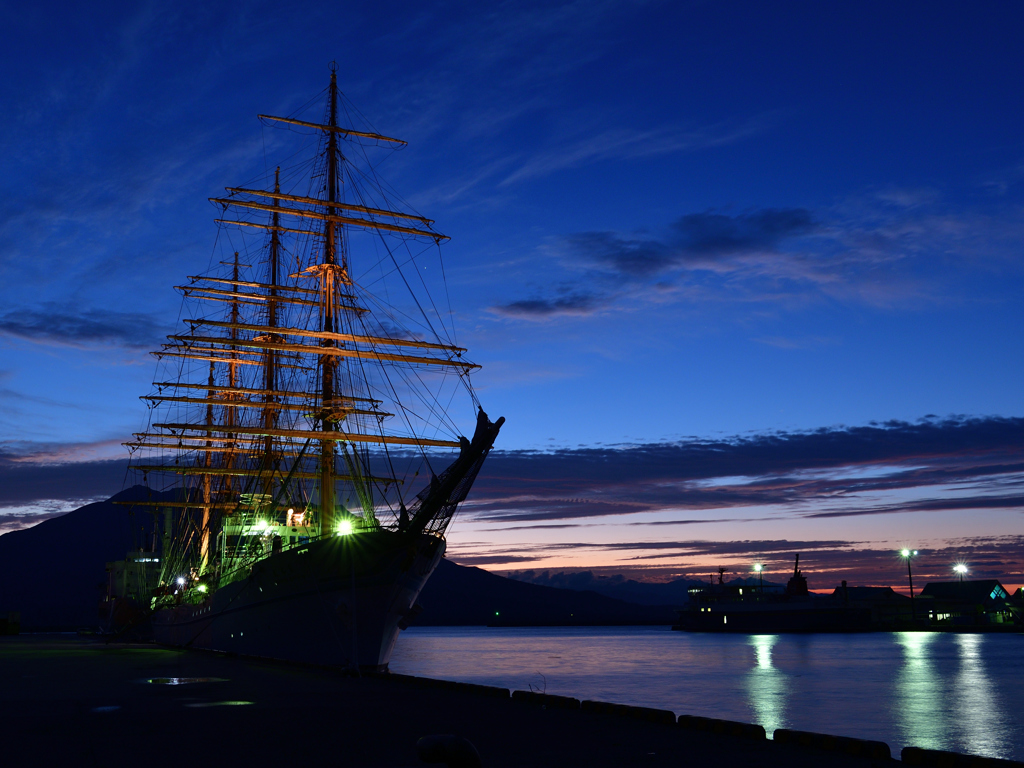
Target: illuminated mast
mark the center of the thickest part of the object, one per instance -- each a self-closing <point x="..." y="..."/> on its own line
<point x="270" y="364"/>
<point x="328" y="362"/>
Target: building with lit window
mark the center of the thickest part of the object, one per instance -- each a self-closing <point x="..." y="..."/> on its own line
<point x="982" y="602"/>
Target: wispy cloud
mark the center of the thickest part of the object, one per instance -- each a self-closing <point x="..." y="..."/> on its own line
<point x="542" y="308"/>
<point x="15" y="453"/>
<point x="53" y="324"/>
<point x="477" y="55"/>
<point x="563" y="506"/>
<point x="626" y="144"/>
<point x="615" y="267"/>
<point x="942" y="464"/>
<point x="889" y="249"/>
<point x="825" y="562"/>
<point x="957" y="503"/>
<point x="13" y="396"/>
<point x="611" y="145"/>
<point x="490" y="75"/>
<point x="18" y="516"/>
<point x="102" y="160"/>
<point x="56" y="475"/>
<point x="697" y="240"/>
<point x="801" y="342"/>
<point x="908" y="198"/>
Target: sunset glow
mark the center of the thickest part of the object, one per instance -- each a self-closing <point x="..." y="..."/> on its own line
<point x="736" y="300"/>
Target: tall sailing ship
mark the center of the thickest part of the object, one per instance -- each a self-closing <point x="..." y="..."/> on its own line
<point x="302" y="455"/>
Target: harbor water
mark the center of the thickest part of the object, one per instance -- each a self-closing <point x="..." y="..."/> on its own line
<point x="959" y="692"/>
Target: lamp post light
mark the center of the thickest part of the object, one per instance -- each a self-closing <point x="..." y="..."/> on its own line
<point x="908" y="555"/>
<point x="961" y="569"/>
<point x="760" y="576"/>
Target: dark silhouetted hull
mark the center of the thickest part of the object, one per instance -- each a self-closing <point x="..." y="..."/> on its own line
<point x="339" y="601"/>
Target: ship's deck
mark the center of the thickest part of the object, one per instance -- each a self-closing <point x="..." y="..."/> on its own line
<point x="75" y="701"/>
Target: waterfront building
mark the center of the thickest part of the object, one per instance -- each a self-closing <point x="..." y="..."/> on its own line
<point x="982" y="602"/>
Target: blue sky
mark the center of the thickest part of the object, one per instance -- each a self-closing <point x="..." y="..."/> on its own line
<point x="670" y="222"/>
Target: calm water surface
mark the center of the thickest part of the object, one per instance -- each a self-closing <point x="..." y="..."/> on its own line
<point x="932" y="690"/>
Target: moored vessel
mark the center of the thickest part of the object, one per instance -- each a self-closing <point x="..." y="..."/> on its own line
<point x="304" y="450"/>
<point x="964" y="606"/>
<point x="753" y="609"/>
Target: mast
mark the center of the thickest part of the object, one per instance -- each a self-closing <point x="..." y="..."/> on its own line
<point x="207" y="479"/>
<point x="328" y="423"/>
<point x="230" y="412"/>
<point x="270" y="372"/>
<point x="269" y="369"/>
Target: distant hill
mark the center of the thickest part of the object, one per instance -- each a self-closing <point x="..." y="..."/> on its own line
<point x="618" y="587"/>
<point x="460" y="595"/>
<point x="673" y="593"/>
<point x="55" y="574"/>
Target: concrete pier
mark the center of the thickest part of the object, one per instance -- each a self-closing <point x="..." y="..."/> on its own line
<point x="72" y="701"/>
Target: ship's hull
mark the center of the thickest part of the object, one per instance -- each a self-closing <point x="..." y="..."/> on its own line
<point x="339" y="601"/>
<point x="126" y="618"/>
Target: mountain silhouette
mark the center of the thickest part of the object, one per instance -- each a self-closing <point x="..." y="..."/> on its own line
<point x="54" y="574"/>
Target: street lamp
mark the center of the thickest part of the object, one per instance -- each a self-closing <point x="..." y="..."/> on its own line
<point x="960" y="568"/>
<point x="760" y="576"/>
<point x="908" y="555"/>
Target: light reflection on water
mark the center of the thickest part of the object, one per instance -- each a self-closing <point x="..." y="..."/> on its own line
<point x="918" y="698"/>
<point x="980" y="721"/>
<point x="766" y="685"/>
<point x="940" y="691"/>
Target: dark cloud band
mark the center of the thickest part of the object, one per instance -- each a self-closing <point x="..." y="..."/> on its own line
<point x="53" y="324"/>
<point x="819" y="474"/>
